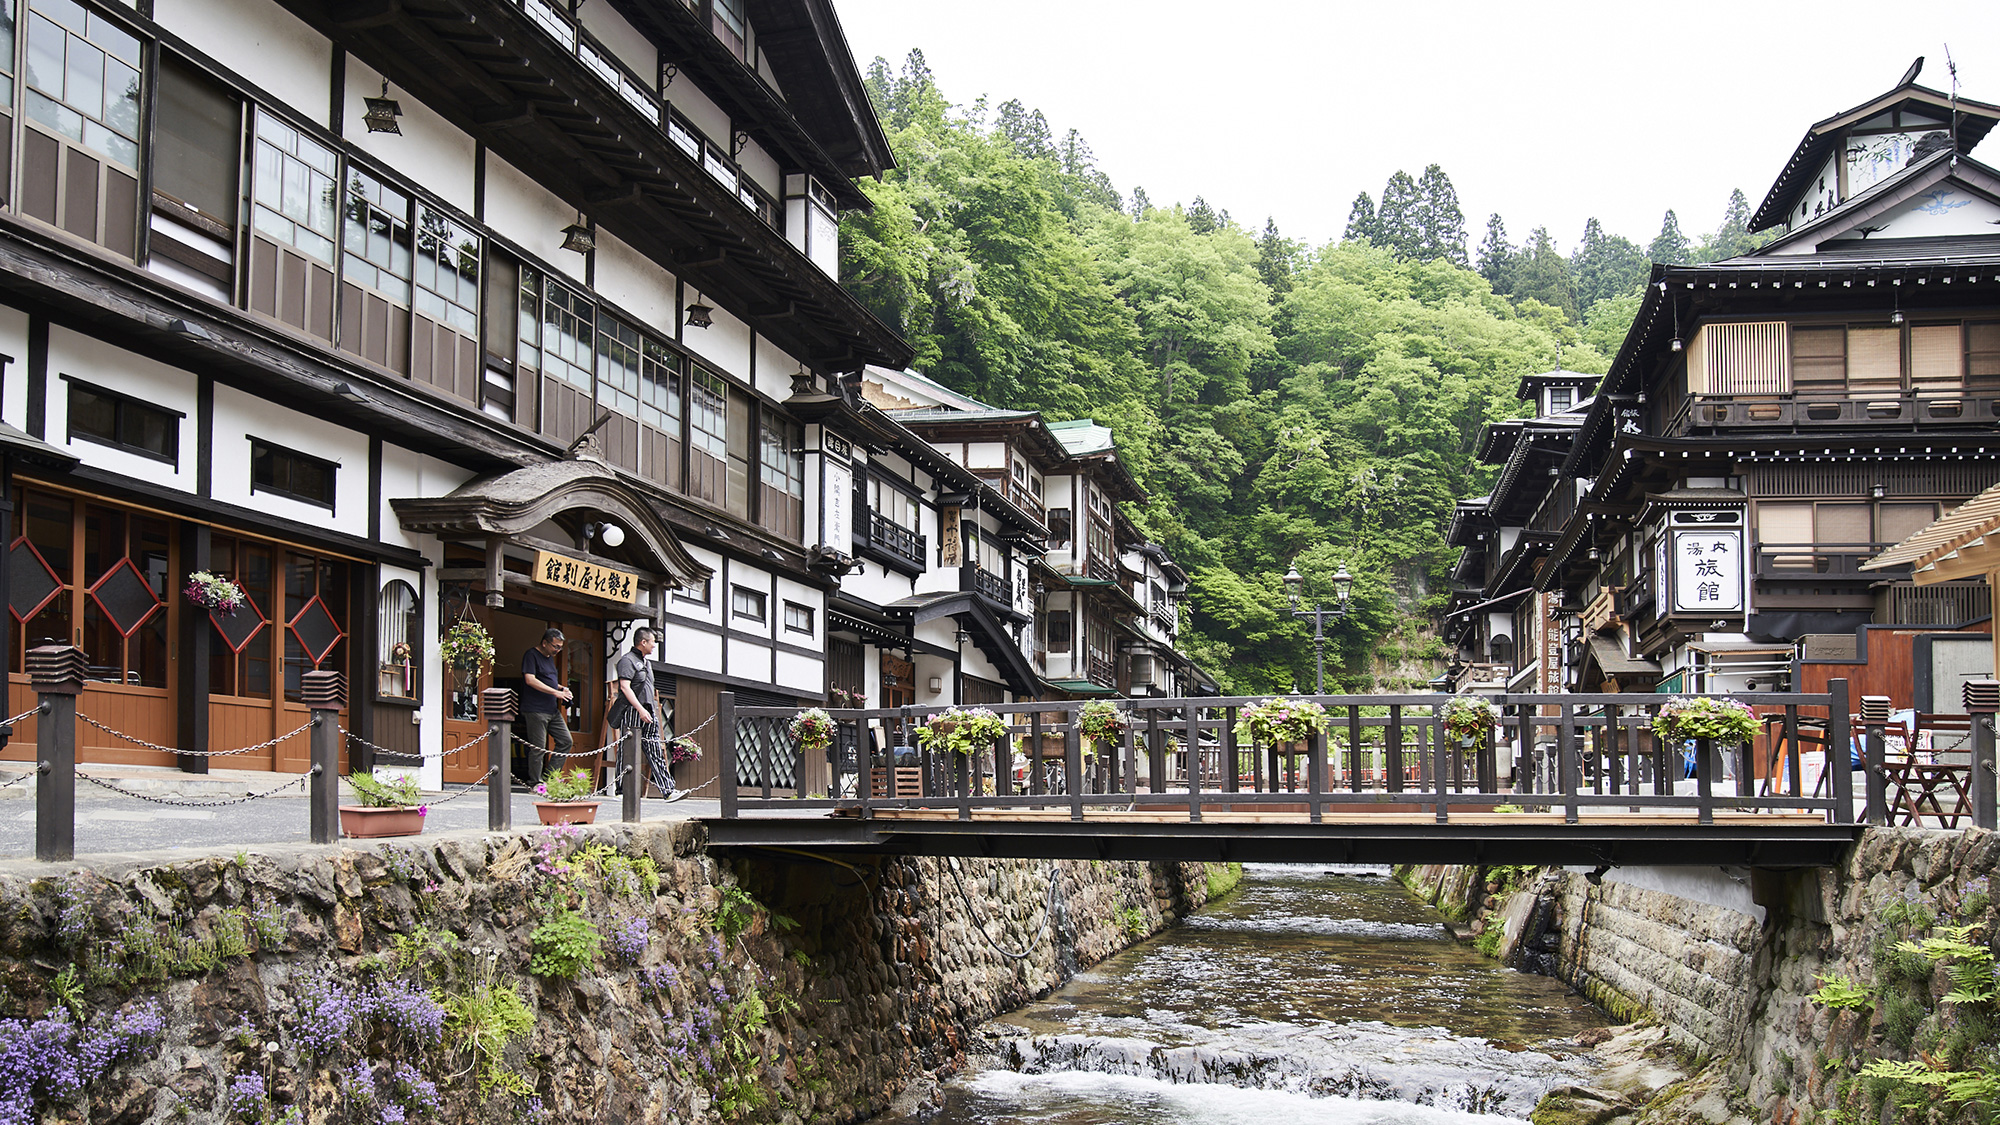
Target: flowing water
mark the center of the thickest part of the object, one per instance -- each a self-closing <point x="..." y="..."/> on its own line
<point x="1314" y="995"/>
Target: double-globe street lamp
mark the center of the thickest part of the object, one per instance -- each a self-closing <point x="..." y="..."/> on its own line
<point x="1343" y="589"/>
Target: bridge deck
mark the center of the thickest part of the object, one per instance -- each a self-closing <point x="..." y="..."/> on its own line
<point x="1771" y="840"/>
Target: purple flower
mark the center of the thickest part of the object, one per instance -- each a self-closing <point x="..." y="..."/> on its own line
<point x="423" y="810"/>
<point x="246" y="1097"/>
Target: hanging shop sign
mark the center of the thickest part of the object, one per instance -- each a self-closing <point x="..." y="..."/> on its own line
<point x="1708" y="570"/>
<point x="585" y="577"/>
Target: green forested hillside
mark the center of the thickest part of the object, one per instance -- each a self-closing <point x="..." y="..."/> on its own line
<point x="1279" y="403"/>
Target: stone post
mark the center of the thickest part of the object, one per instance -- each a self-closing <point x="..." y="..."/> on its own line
<point x="501" y="708"/>
<point x="326" y="694"/>
<point x="58" y="673"/>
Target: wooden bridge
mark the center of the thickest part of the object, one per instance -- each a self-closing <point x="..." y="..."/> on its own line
<point x="1564" y="779"/>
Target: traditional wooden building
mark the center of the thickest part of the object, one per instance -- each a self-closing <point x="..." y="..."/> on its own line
<point x="1774" y="420"/>
<point x="397" y="315"/>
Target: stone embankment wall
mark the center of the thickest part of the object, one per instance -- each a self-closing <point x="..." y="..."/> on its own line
<point x="1725" y="964"/>
<point x="608" y="974"/>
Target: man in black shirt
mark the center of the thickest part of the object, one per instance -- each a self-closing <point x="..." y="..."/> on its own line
<point x="542" y="700"/>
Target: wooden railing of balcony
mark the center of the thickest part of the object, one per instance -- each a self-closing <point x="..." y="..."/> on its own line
<point x="897" y="540"/>
<point x="1904" y="409"/>
<point x="1780" y="561"/>
<point x="990" y="586"/>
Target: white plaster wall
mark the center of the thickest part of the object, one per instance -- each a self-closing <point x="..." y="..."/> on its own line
<point x="635" y="283"/>
<point x="265" y="44"/>
<point x="115" y="369"/>
<point x="762" y="168"/>
<point x="622" y="39"/>
<point x="986" y="455"/>
<point x="430" y="151"/>
<point x="1947" y="210"/>
<point x="808" y="596"/>
<point x="749" y="660"/>
<point x="775" y="368"/>
<point x="718" y="593"/>
<point x="14" y="382"/>
<point x="698" y="109"/>
<point x="239" y="417"/>
<point x="690" y="649"/>
<point x="802" y="674"/>
<point x="939" y="667"/>
<point x="725" y="343"/>
<point x="408" y="473"/>
<point x="533" y="217"/>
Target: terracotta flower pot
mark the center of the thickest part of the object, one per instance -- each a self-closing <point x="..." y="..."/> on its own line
<point x="566" y="812"/>
<point x="367" y="821"/>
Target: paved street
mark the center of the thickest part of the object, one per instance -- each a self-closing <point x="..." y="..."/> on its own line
<point x="111" y="823"/>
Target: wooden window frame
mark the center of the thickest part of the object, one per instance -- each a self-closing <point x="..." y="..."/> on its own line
<point x="742" y="596"/>
<point x="122" y="403"/>
<point x="279" y="453"/>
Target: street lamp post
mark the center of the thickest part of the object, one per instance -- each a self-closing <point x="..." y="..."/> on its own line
<point x="1343" y="589"/>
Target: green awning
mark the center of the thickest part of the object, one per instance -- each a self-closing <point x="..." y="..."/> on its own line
<point x="1081" y="687"/>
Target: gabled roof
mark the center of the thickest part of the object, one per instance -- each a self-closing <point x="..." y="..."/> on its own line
<point x="1558" y="377"/>
<point x="1975" y="120"/>
<point x="1963" y="528"/>
<point x="1886" y="195"/>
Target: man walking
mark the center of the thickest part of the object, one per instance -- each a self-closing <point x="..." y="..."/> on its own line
<point x="542" y="701"/>
<point x="637" y="708"/>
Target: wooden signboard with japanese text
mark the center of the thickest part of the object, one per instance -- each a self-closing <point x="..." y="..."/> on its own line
<point x="584" y="577"/>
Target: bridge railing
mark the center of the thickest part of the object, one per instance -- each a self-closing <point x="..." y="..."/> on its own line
<point x="1594" y="754"/>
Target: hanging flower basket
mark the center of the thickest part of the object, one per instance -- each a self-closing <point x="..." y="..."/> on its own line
<point x="962" y="730"/>
<point x="1102" y="719"/>
<point x="1705" y="716"/>
<point x="215" y="593"/>
<point x="847" y="700"/>
<point x="814" y="729"/>
<point x="1281" y="720"/>
<point x="467" y="647"/>
<point x="1468" y="716"/>
<point x="684" y="749"/>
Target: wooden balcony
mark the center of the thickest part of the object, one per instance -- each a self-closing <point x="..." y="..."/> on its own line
<point x="1016" y="492"/>
<point x="1806" y="412"/>
<point x="894" y="545"/>
<point x="991" y="586"/>
<point x="1779" y="562"/>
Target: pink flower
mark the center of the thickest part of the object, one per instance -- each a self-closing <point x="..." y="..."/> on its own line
<point x="423" y="810"/>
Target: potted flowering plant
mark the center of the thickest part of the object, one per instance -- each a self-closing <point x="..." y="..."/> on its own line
<point x="467" y="647"/>
<point x="1723" y="721"/>
<point x="564" y="798"/>
<point x="814" y="729"/>
<point x="388" y="807"/>
<point x="215" y="593"/>
<point x="1281" y="720"/>
<point x="1101" y="719"/>
<point x="1468" y="717"/>
<point x="684" y="749"/>
<point x="962" y="730"/>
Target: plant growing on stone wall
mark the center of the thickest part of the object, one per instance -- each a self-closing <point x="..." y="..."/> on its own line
<point x="565" y="944"/>
<point x="483" y="1020"/>
<point x="1836" y="992"/>
<point x="51" y="1060"/>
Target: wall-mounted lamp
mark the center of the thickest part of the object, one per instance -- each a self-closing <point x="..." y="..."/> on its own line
<point x="605" y="532"/>
<point x="383" y="112"/>
<point x="1896" y="317"/>
<point x="936" y="684"/>
<point x="1676" y="345"/>
<point x="577" y="237"/>
<point x="1877" y="490"/>
<point x="699" y="314"/>
<point x="347" y="391"/>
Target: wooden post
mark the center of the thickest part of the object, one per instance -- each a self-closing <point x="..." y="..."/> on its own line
<point x="1566" y="760"/>
<point x="1073" y="760"/>
<point x="1194" y="761"/>
<point x="1704" y="780"/>
<point x="1839" y="751"/>
<point x="1316" y="775"/>
<point x="1156" y="755"/>
<point x="725" y="739"/>
<point x="1874" y="715"/>
<point x="500" y="705"/>
<point x="1392" y="750"/>
<point x="1441" y="746"/>
<point x="58" y="673"/>
<point x="326" y="694"/>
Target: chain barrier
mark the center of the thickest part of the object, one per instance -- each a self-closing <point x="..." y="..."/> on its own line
<point x="137" y="741"/>
<point x="19" y="780"/>
<point x="426" y="756"/>
<point x="466" y="788"/>
<point x="29" y="713"/>
<point x="246" y="799"/>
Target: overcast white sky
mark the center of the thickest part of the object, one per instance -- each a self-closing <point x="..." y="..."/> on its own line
<point x="1547" y="113"/>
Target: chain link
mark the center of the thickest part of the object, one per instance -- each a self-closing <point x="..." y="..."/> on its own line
<point x="422" y="756"/>
<point x="467" y="788"/>
<point x="136" y="741"/>
<point x="37" y="709"/>
<point x="246" y="799"/>
<point x="18" y="780"/>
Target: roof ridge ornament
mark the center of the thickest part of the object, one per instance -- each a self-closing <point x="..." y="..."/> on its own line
<point x="587" y="447"/>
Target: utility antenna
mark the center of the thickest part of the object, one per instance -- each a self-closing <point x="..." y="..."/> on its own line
<point x="1952" y="67"/>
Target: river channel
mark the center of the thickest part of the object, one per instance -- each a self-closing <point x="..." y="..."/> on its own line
<point x="1313" y="995"/>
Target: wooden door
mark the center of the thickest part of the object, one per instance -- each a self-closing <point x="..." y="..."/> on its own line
<point x="463" y="723"/>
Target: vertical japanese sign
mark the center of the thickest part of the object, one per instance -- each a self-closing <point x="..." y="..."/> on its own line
<point x="1707" y="570"/>
<point x="1551" y="644"/>
<point x="836" y="506"/>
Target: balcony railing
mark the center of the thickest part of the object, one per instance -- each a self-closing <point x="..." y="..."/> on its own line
<point x="637" y="93"/>
<point x="896" y="540"/>
<point x="1803" y="411"/>
<point x="1102" y="568"/>
<point x="1164" y="620"/>
<point x="1103" y="671"/>
<point x="990" y="586"/>
<point x="1787" y="561"/>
